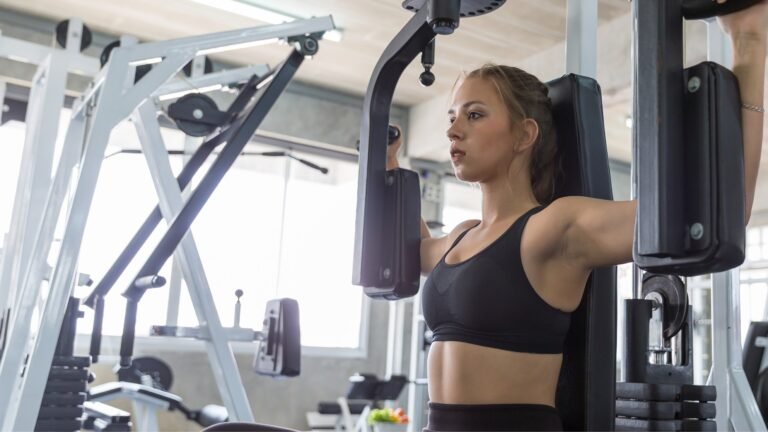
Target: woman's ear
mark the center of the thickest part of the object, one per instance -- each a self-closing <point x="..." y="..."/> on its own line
<point x="527" y="135"/>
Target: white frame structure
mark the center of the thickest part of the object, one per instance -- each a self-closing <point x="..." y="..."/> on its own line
<point x="47" y="91"/>
<point x="111" y="98"/>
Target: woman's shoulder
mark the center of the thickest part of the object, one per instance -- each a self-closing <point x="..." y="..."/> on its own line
<point x="462" y="227"/>
<point x="444" y="242"/>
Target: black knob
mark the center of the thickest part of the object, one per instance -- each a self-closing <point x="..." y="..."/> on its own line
<point x="238" y="293"/>
<point x="427" y="78"/>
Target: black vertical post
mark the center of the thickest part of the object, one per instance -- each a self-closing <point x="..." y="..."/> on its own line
<point x="98" y="320"/>
<point x="658" y="128"/>
<point x="65" y="347"/>
<point x="374" y="252"/>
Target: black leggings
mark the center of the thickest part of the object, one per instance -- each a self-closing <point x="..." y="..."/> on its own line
<point x="498" y="417"/>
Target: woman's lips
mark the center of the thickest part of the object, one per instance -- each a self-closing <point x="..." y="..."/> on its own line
<point x="457" y="155"/>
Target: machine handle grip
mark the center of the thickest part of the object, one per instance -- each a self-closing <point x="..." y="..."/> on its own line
<point x="704" y="9"/>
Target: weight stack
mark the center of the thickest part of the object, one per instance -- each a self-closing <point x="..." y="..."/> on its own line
<point x="665" y="407"/>
<point x="61" y="409"/>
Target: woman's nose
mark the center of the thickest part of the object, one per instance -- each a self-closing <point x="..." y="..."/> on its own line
<point x="454" y="131"/>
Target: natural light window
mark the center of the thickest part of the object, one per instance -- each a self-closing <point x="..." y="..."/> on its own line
<point x="12" y="139"/>
<point x="462" y="201"/>
<point x="317" y="250"/>
<point x="757" y="244"/>
<point x="273" y="228"/>
<point x="754" y="278"/>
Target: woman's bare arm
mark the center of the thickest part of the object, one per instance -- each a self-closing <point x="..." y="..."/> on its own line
<point x="597" y="233"/>
<point x="747" y="30"/>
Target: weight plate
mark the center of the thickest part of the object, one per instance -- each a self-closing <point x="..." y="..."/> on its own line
<point x="74" y="362"/>
<point x="66" y="387"/>
<point x="67" y="374"/>
<point x="469" y="8"/>
<point x="50" y="413"/>
<point x="673" y="291"/>
<point x="58" y="425"/>
<point x="63" y="399"/>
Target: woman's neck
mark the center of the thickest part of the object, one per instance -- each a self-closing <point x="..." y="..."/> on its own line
<point x="506" y="197"/>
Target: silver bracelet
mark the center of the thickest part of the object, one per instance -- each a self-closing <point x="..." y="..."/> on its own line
<point x="753" y="108"/>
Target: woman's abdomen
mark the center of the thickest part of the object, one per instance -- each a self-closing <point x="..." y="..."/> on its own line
<point x="462" y="373"/>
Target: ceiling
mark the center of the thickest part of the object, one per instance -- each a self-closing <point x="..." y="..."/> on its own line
<point x="519" y="29"/>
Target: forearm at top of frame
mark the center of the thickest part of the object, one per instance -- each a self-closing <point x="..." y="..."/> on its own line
<point x="749" y="54"/>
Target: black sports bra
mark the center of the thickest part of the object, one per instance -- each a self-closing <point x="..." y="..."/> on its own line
<point x="487" y="300"/>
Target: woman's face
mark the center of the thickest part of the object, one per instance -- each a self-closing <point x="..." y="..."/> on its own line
<point x="481" y="137"/>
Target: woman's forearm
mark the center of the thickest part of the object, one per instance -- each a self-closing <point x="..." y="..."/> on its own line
<point x="749" y="67"/>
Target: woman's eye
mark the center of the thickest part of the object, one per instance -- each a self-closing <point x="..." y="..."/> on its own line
<point x="451" y="119"/>
<point x="473" y="115"/>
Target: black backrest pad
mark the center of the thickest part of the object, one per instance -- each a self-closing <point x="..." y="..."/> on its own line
<point x="586" y="389"/>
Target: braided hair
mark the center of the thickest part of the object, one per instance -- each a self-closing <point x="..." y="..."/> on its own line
<point x="526" y="97"/>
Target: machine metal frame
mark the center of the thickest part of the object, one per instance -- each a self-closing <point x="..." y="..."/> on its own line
<point x="111" y="98"/>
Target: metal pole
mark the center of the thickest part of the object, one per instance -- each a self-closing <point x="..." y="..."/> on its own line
<point x="581" y="38"/>
<point x="43" y="112"/>
<point x="220" y="353"/>
<point x="190" y="146"/>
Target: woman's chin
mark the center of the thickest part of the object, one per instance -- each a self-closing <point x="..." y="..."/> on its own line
<point x="464" y="176"/>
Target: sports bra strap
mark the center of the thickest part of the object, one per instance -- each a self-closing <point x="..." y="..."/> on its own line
<point x="523" y="218"/>
<point x="458" y="239"/>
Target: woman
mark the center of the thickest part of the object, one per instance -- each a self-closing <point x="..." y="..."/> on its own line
<point x="500" y="290"/>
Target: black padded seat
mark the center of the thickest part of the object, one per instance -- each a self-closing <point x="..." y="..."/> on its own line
<point x="246" y="427"/>
<point x="586" y="388"/>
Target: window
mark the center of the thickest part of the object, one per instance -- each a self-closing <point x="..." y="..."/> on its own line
<point x="754" y="278"/>
<point x="273" y="228"/>
<point x="317" y="252"/>
<point x="11" y="147"/>
<point x="291" y="230"/>
<point x="757" y="245"/>
<point x="462" y="201"/>
<point x="752" y="302"/>
<point x="124" y="197"/>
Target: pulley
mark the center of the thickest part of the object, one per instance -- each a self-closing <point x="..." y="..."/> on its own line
<point x="674" y="297"/>
<point x="62" y="29"/>
<point x="196" y="114"/>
